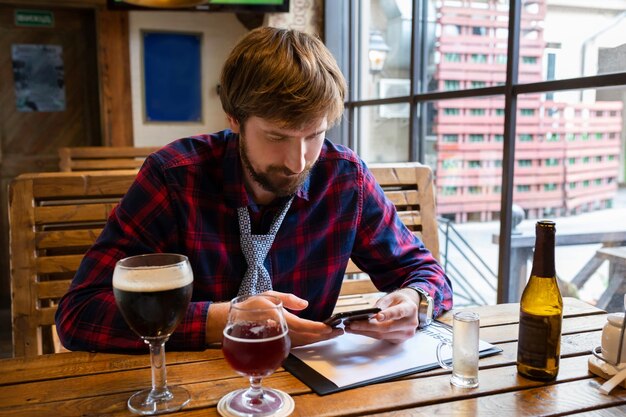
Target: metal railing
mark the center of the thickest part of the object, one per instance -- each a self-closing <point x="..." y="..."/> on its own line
<point x="471" y="276"/>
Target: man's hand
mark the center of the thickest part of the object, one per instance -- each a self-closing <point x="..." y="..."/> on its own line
<point x="396" y="322"/>
<point x="301" y="331"/>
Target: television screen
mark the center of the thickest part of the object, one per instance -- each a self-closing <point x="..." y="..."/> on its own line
<point x="233" y="6"/>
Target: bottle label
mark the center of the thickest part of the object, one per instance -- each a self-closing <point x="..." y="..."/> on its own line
<point x="539" y="340"/>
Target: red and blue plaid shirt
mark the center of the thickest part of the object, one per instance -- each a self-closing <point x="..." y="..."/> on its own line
<point x="185" y="199"/>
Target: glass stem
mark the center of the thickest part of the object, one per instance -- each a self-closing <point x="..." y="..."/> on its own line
<point x="255" y="392"/>
<point x="159" y="391"/>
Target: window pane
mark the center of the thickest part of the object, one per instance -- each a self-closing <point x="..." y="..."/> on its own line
<point x="468" y="177"/>
<point x="571" y="39"/>
<point x="569" y="172"/>
<point x="385" y="54"/>
<point x="468" y="45"/>
<point x="384" y="133"/>
<point x="563" y="139"/>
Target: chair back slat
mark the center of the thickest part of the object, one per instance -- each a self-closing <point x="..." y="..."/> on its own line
<point x="65" y="185"/>
<point x="67" y="238"/>
<point x="46" y="315"/>
<point x="91" y="158"/>
<point x="72" y="213"/>
<point x="403" y="198"/>
<point x="52" y="289"/>
<point x="58" y="264"/>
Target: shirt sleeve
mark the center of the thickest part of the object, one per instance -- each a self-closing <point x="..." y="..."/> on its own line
<point x="144" y="221"/>
<point x="391" y="254"/>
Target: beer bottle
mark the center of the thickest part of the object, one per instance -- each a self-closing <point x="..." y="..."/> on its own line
<point x="541" y="312"/>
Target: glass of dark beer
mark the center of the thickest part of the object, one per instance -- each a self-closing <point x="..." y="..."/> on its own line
<point x="256" y="341"/>
<point x="152" y="292"/>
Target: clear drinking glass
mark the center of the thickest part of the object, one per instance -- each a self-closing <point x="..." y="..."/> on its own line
<point x="465" y="351"/>
<point x="256" y="341"/>
<point x="152" y="292"/>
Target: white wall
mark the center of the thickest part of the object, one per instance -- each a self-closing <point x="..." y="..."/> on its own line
<point x="221" y="31"/>
<point x="574" y="23"/>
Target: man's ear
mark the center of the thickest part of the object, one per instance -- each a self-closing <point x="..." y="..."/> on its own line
<point x="234" y="124"/>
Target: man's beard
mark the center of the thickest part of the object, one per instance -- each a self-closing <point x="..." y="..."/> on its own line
<point x="276" y="179"/>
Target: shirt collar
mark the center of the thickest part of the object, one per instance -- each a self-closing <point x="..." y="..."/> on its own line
<point x="235" y="192"/>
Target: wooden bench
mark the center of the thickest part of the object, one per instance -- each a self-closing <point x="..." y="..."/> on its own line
<point x="53" y="219"/>
<point x="410" y="187"/>
<point x="90" y="158"/>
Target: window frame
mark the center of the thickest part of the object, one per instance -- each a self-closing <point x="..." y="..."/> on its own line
<point x="341" y="28"/>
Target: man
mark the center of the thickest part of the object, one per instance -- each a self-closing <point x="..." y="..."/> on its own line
<point x="272" y="183"/>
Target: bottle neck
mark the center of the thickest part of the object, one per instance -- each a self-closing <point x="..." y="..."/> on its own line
<point x="543" y="259"/>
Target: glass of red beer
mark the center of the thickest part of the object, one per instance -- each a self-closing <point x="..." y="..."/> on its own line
<point x="256" y="341"/>
<point x="152" y="292"/>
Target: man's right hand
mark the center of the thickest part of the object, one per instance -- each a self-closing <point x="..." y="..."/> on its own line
<point x="301" y="331"/>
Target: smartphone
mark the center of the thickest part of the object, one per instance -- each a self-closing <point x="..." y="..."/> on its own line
<point x="346" y="316"/>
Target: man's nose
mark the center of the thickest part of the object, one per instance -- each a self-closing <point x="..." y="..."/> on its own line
<point x="296" y="156"/>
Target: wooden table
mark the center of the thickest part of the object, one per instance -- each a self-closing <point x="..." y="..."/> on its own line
<point x="79" y="383"/>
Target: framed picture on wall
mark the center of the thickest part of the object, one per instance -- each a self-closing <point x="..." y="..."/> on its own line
<point x="38" y="74"/>
<point x="172" y="76"/>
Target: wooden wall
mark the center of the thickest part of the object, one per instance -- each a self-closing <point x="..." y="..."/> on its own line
<point x="112" y="126"/>
<point x="113" y="66"/>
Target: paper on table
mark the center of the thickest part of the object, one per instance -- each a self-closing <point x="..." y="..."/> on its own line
<point x="352" y="359"/>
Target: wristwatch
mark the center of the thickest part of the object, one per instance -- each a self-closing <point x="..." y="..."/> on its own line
<point x="425" y="309"/>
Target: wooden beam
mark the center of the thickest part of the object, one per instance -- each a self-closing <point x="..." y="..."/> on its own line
<point x="115" y="86"/>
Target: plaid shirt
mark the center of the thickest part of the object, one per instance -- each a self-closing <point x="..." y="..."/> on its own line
<point x="185" y="199"/>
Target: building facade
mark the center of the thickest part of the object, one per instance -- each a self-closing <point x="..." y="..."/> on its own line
<point x="567" y="150"/>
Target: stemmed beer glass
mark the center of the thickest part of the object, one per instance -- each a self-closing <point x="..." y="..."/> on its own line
<point x="256" y="341"/>
<point x="152" y="292"/>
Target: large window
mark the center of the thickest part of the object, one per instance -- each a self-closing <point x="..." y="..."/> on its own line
<point x="518" y="106"/>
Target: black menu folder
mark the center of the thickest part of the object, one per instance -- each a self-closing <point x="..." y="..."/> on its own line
<point x="351" y="361"/>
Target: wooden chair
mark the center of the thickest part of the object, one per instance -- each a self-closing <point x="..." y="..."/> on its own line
<point x="53" y="219"/>
<point x="410" y="187"/>
<point x="90" y="158"/>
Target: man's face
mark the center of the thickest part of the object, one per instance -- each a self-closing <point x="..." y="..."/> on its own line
<point x="278" y="159"/>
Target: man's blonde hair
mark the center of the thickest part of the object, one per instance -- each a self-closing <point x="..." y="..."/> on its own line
<point x="285" y="76"/>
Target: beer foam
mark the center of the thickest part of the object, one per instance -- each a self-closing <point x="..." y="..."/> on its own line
<point x="150" y="279"/>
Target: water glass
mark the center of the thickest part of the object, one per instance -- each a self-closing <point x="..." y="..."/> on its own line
<point x="465" y="337"/>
